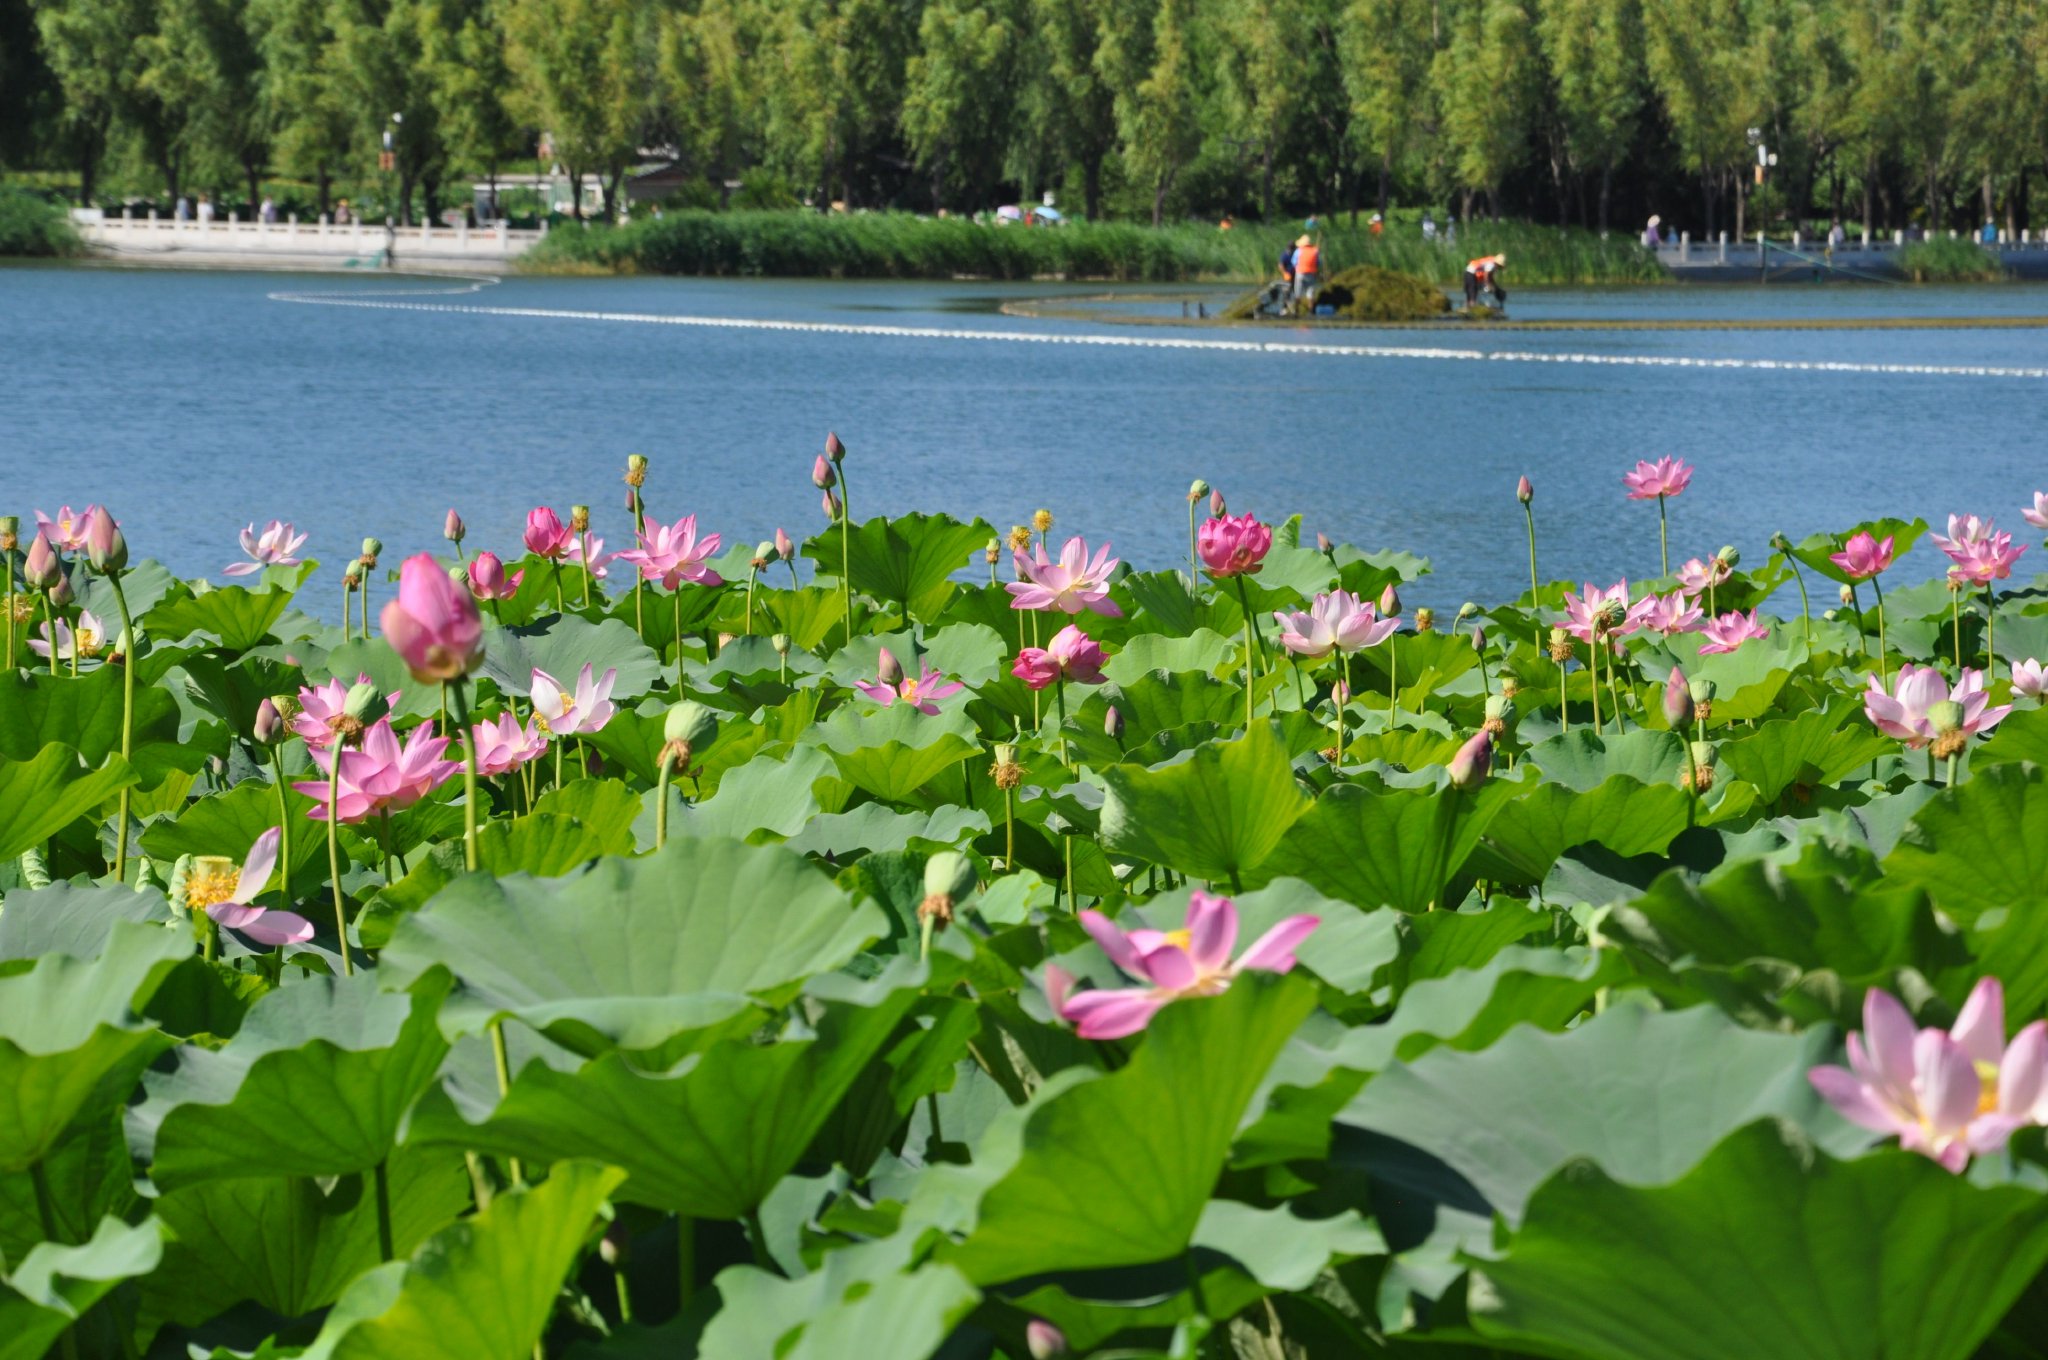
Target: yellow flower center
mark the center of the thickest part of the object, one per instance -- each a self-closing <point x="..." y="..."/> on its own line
<point x="910" y="691"/>
<point x="1987" y="1088"/>
<point x="1180" y="937"/>
<point x="87" y="641"/>
<point x="210" y="882"/>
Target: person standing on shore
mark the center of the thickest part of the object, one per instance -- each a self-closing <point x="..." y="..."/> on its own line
<point x="1484" y="273"/>
<point x="205" y="209"/>
<point x="1652" y="238"/>
<point x="268" y="212"/>
<point x="182" y="211"/>
<point x="1308" y="267"/>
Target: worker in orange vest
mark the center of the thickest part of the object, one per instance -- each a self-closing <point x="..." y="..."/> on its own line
<point x="1484" y="273"/>
<point x="1308" y="267"/>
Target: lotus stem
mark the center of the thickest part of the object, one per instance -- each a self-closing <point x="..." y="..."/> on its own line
<point x="74" y="651"/>
<point x="586" y="569"/>
<point x="639" y="528"/>
<point x="348" y="967"/>
<point x="50" y="626"/>
<point x="1692" y="786"/>
<point x="284" y="832"/>
<point x="1664" y="533"/>
<point x="348" y="602"/>
<point x="1856" y="603"/>
<point x="1059" y="695"/>
<point x="1990" y="632"/>
<point x="8" y="558"/>
<point x="384" y="839"/>
<point x="1883" y="669"/>
<point x="1393" y="680"/>
<point x="661" y="798"/>
<point x="1245" y="600"/>
<point x="1951" y="768"/>
<point x="134" y="645"/>
<point x="846" y="553"/>
<point x="382" y="1176"/>
<point x="1010" y="829"/>
<point x="1194" y="560"/>
<point x="1614" y="689"/>
<point x="555" y="571"/>
<point x="1955" y="609"/>
<point x="1805" y="605"/>
<point x="676" y="615"/>
<point x="1599" y="727"/>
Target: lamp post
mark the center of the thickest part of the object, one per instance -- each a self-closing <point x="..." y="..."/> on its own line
<point x="1765" y="158"/>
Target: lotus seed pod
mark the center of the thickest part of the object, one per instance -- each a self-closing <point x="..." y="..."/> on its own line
<point x="764" y="552"/>
<point x="780" y="642"/>
<point x="1780" y="543"/>
<point x="1196" y="490"/>
<point x="10" y="532"/>
<point x="1701" y="689"/>
<point x="834" y="449"/>
<point x="1425" y="619"/>
<point x="371" y="548"/>
<point x="460" y="576"/>
<point x="579" y="519"/>
<point x="1041" y="520"/>
<point x="636" y="469"/>
<point x="1700" y="777"/>
<point x="352" y="574"/>
<point x="1019" y="537"/>
<point x="1560" y="645"/>
<point x="1510" y="684"/>
<point x="1467" y="610"/>
<point x="1613" y="613"/>
<point x="1500" y="706"/>
<point x="1946" y="716"/>
<point x="951" y="873"/>
<point x="689" y="721"/>
<point x="993" y="553"/>
<point x="1848" y="596"/>
<point x="365" y="703"/>
<point x="1728" y="556"/>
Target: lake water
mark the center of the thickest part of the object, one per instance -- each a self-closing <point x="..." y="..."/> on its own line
<point x="192" y="404"/>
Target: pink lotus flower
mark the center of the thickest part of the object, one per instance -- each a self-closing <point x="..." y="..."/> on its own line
<point x="40" y="567"/>
<point x="503" y="746"/>
<point x="1863" y="557"/>
<point x="67" y="530"/>
<point x="1903" y="713"/>
<point x="1699" y="576"/>
<point x="1947" y="1095"/>
<point x="272" y="548"/>
<point x="1592" y="613"/>
<point x="1980" y="552"/>
<point x="1174" y="964"/>
<point x="921" y="691"/>
<point x="1336" y="622"/>
<point x="1649" y="481"/>
<point x="104" y="547"/>
<point x="598" y="556"/>
<point x="1070" y="585"/>
<point x="562" y="714"/>
<point x="672" y="554"/>
<point x="1730" y="631"/>
<point x="1071" y="655"/>
<point x="1233" y="545"/>
<point x="381" y="776"/>
<point x="2038" y="516"/>
<point x="207" y="888"/>
<point x="2030" y="678"/>
<point x="546" y="535"/>
<point x="433" y="623"/>
<point x="89" y="640"/>
<point x="488" y="579"/>
<point x="1672" y="614"/>
<point x="320" y="705"/>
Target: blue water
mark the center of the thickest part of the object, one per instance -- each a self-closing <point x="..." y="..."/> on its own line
<point x="193" y="404"/>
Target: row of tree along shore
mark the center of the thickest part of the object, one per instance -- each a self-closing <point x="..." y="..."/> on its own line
<point x="1592" y="112"/>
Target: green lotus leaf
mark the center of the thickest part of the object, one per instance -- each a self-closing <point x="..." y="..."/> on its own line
<point x="1981" y="847"/>
<point x="859" y="1301"/>
<point x="233" y="692"/>
<point x="1767" y="1247"/>
<point x="634" y="953"/>
<point x="146" y="584"/>
<point x="1819" y="748"/>
<point x="317" y="1083"/>
<point x="892" y="752"/>
<point x="1201" y="653"/>
<point x="480" y="1289"/>
<point x="907" y="561"/>
<point x="1348" y="949"/>
<point x="1218" y="815"/>
<point x="238" y="617"/>
<point x="872" y="827"/>
<point x="808" y="616"/>
<point x="55" y="1285"/>
<point x="42" y="795"/>
<point x="1582" y="760"/>
<point x="1439" y="943"/>
<point x="386" y="669"/>
<point x="1393" y="847"/>
<point x="228" y="823"/>
<point x="765" y="794"/>
<point x="563" y="646"/>
<point x="37" y="710"/>
<point x="1526" y="837"/>
<point x="2023" y="735"/>
<point x="70" y="918"/>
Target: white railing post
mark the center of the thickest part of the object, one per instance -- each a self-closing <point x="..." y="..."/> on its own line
<point x="1724" y="247"/>
<point x="1685" y="247"/>
<point x="1899" y="236"/>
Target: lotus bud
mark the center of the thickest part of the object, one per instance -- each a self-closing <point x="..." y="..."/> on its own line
<point x="993" y="553"/>
<point x="1390" y="602"/>
<point x="60" y="593"/>
<point x="1041" y="521"/>
<point x="1324" y="546"/>
<point x="780" y="642"/>
<point x="41" y="570"/>
<point x="1113" y="724"/>
<point x="1678" y="704"/>
<point x="1196" y="490"/>
<point x="1425" y="619"/>
<point x="784" y="549"/>
<point x="764" y="553"/>
<point x="579" y="519"/>
<point x="1830" y="615"/>
<point x="822" y="474"/>
<point x="1479" y="641"/>
<point x="1500" y="714"/>
<point x="1848" y="596"/>
<point x="636" y="469"/>
<point x="1560" y="646"/>
<point x="10" y="532"/>
<point x="1006" y="772"/>
<point x="834" y="450"/>
<point x="1700" y="777"/>
<point x="269" y="725"/>
<point x="105" y="547"/>
<point x="829" y="503"/>
<point x="1043" y="1340"/>
<point x="365" y="702"/>
<point x="1780" y="543"/>
<point x="1728" y="556"/>
<point x="1524" y="492"/>
<point x="453" y="529"/>
<point x="888" y="669"/>
<point x="371" y="548"/>
<point x="1216" y="506"/>
<point x="1474" y="761"/>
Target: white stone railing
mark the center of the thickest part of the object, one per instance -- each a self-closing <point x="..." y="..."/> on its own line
<point x="293" y="237"/>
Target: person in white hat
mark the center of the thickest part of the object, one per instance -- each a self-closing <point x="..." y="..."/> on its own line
<point x="1308" y="267"/>
<point x="1651" y="237"/>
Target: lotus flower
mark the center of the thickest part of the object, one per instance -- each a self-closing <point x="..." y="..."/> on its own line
<point x="1980" y="552"/>
<point x="1588" y="615"/>
<point x="546" y="535"/>
<point x="1233" y="545"/>
<point x="562" y="714"/>
<point x="40" y="567"/>
<point x="231" y="901"/>
<point x="381" y="776"/>
<point x="1699" y="576"/>
<point x="1336" y="622"/>
<point x="1903" y="713"/>
<point x="321" y="705"/>
<point x="1730" y="631"/>
<point x="1671" y="614"/>
<point x="272" y="548"/>
<point x="598" y="556"/>
<point x="1863" y="557"/>
<point x="672" y="554"/>
<point x="433" y="624"/>
<point x="67" y="530"/>
<point x="104" y="547"/>
<point x="88" y="640"/>
<point x="922" y="691"/>
<point x="1071" y="655"/>
<point x="1174" y="964"/>
<point x="488" y="579"/>
<point x="1665" y="477"/>
<point x="2038" y="516"/>
<point x="2030" y="678"/>
<point x="1948" y="1095"/>
<point x="503" y="746"/>
<point x="1070" y="585"/>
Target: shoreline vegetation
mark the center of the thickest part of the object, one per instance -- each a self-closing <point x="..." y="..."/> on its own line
<point x="797" y="244"/>
<point x="32" y="226"/>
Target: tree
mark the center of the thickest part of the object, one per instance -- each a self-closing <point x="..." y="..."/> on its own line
<point x="703" y="62"/>
<point x="957" y="92"/>
<point x="1154" y="73"/>
<point x="380" y="54"/>
<point x="1692" y="56"/>
<point x="1594" y="52"/>
<point x="91" y="49"/>
<point x="301" y="88"/>
<point x="1067" y="106"/>
<point x="1485" y="81"/>
<point x="1261" y="77"/>
<point x="470" y="83"/>
<point x="1387" y="47"/>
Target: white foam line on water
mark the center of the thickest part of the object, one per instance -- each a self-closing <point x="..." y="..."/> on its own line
<point x="374" y="300"/>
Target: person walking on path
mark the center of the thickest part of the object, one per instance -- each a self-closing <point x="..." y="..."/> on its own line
<point x="1484" y="273"/>
<point x="1308" y="266"/>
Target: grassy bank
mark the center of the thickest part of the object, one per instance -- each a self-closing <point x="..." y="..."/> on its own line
<point x="1949" y="260"/>
<point x="32" y="225"/>
<point x="902" y="246"/>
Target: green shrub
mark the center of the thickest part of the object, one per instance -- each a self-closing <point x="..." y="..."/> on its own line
<point x="1949" y="259"/>
<point x="33" y="225"/>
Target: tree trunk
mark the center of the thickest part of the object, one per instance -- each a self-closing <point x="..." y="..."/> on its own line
<point x="404" y="199"/>
<point x="1606" y="194"/>
<point x="1091" y="186"/>
<point x="1386" y="175"/>
<point x="1159" y="201"/>
<point x="1741" y="208"/>
<point x="88" y="172"/>
<point x="322" y="184"/>
<point x="252" y="171"/>
<point x="1933" y="204"/>
<point x="576" y="192"/>
<point x="1266" y="181"/>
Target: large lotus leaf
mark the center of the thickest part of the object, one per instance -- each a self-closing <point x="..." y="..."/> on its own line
<point x="1651" y="1093"/>
<point x="563" y="646"/>
<point x="892" y="752"/>
<point x="1116" y="1170"/>
<point x="1982" y="846"/>
<point x="1768" y="1247"/>
<point x="55" y="1285"/>
<point x="1815" y="549"/>
<point x="317" y="1083"/>
<point x="1525" y="838"/>
<point x="546" y="844"/>
<point x="37" y="709"/>
<point x="907" y="561"/>
<point x="973" y="653"/>
<point x="237" y="616"/>
<point x="765" y="794"/>
<point x="46" y="793"/>
<point x="89" y="1175"/>
<point x="2023" y="735"/>
<point x="1819" y="748"/>
<point x="70" y="918"/>
<point x="634" y="953"/>
<point x="480" y="1289"/>
<point x="708" y="1139"/>
<point x="1201" y="653"/>
<point x="376" y="659"/>
<point x="1439" y="943"/>
<point x="824" y="1311"/>
<point x="292" y="1244"/>
<point x="872" y="827"/>
<point x="232" y="690"/>
<point x="1420" y="663"/>
<point x="1582" y="760"/>
<point x="810" y="615"/>
<point x="606" y="806"/>
<point x="1160" y="701"/>
<point x="70" y="1043"/>
<point x="229" y="823"/>
<point x="1394" y="847"/>
<point x="1217" y="815"/>
<point x="1748" y="680"/>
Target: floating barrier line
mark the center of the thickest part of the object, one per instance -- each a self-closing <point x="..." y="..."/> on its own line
<point x="377" y="302"/>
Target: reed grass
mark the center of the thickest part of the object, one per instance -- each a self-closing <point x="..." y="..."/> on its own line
<point x="32" y="225"/>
